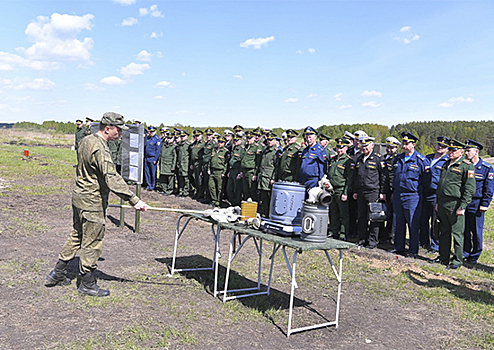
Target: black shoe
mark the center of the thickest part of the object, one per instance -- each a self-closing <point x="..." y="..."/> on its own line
<point x="453" y="266"/>
<point x="361" y="243"/>
<point x="89" y="287"/>
<point x="58" y="276"/>
<point x="395" y="251"/>
<point x="371" y="246"/>
<point x="438" y="260"/>
<point x="412" y="255"/>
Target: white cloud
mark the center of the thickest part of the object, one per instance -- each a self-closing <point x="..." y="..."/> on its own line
<point x="293" y="90"/>
<point x="26" y="84"/>
<point x="371" y="93"/>
<point x="256" y="43"/>
<point x="134" y="69"/>
<point x="454" y="100"/>
<point x="92" y="87"/>
<point x="239" y="77"/>
<point x="113" y="80"/>
<point x="9" y="61"/>
<point x="55" y="38"/>
<point x="129" y="22"/>
<point x="124" y="2"/>
<point x="164" y="84"/>
<point x="312" y="95"/>
<point x="144" y="56"/>
<point x="155" y="35"/>
<point x="299" y="52"/>
<point x="311" y="50"/>
<point x="152" y="11"/>
<point x="291" y="100"/>
<point x="345" y="107"/>
<point x="407" y="36"/>
<point x="159" y="97"/>
<point x="371" y="104"/>
<point x="337" y="97"/>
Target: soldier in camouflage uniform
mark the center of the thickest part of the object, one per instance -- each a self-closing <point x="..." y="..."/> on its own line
<point x="249" y="164"/>
<point x="96" y="177"/>
<point x="217" y="171"/>
<point x="340" y="175"/>
<point x="266" y="172"/>
<point x="183" y="164"/>
<point x="196" y="156"/>
<point x="167" y="165"/>
<point x="234" y="184"/>
<point x="80" y="133"/>
<point x="289" y="165"/>
<point x="209" y="146"/>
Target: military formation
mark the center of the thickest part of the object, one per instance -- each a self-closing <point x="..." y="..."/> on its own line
<point x="434" y="199"/>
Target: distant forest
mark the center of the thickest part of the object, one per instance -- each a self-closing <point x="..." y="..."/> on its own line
<point x="482" y="131"/>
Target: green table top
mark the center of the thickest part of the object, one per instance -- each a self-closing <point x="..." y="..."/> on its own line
<point x="292" y="242"/>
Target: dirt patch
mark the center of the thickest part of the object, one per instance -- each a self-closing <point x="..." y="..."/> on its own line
<point x="148" y="309"/>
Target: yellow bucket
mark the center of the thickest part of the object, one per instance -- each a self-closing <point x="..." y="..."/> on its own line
<point x="249" y="210"/>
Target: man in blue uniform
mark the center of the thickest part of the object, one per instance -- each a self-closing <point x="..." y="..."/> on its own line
<point x="151" y="155"/>
<point x="428" y="220"/>
<point x="409" y="169"/>
<point x="474" y="216"/>
<point x="314" y="160"/>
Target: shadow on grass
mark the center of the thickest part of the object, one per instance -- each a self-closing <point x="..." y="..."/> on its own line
<point x="459" y="290"/>
<point x="116" y="222"/>
<point x="479" y="266"/>
<point x="276" y="300"/>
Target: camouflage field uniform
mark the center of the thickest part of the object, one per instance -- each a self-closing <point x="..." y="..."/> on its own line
<point x="96" y="177"/>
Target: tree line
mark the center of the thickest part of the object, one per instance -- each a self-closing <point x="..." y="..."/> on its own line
<point x="482" y="131"/>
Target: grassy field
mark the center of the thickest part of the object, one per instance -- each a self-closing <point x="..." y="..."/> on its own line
<point x="461" y="299"/>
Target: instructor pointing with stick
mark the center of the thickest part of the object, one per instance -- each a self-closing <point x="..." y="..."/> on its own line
<point x="96" y="177"/>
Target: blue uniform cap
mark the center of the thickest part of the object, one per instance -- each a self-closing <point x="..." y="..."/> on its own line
<point x="408" y="137"/>
<point x="473" y="144"/>
<point x="310" y="130"/>
<point x="443" y="141"/>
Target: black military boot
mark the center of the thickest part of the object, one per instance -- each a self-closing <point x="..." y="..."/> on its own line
<point x="88" y="286"/>
<point x="58" y="276"/>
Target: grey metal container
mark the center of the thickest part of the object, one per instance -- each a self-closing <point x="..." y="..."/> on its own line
<point x="314" y="223"/>
<point x="287" y="200"/>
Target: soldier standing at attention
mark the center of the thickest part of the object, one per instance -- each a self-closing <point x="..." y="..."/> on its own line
<point x="218" y="170"/>
<point x="95" y="178"/>
<point x="183" y="164"/>
<point x="196" y="155"/>
<point x="249" y="164"/>
<point x="167" y="164"/>
<point x="474" y="216"/>
<point x="314" y="161"/>
<point x="454" y="192"/>
<point x="392" y="143"/>
<point x="89" y="122"/>
<point x="340" y="175"/>
<point x="290" y="159"/>
<point x="209" y="146"/>
<point x="409" y="169"/>
<point x="368" y="188"/>
<point x="324" y="142"/>
<point x="428" y="222"/>
<point x="234" y="182"/>
<point x="266" y="173"/>
<point x="80" y="133"/>
<point x="151" y="154"/>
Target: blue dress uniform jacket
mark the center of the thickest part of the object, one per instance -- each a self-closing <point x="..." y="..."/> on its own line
<point x="314" y="165"/>
<point x="151" y="155"/>
<point x="474" y="218"/>
<point x="408" y="183"/>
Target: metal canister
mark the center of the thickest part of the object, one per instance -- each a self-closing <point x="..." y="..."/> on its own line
<point x="314" y="223"/>
<point x="287" y="200"/>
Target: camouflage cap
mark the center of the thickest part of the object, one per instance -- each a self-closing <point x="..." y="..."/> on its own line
<point x="114" y="119"/>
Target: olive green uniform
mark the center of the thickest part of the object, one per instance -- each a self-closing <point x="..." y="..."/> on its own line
<point x="167" y="164"/>
<point x="289" y="164"/>
<point x="340" y="175"/>
<point x="218" y="169"/>
<point x="266" y="173"/>
<point x="183" y="168"/>
<point x="455" y="190"/>
<point x="79" y="135"/>
<point x="209" y="146"/>
<point x="115" y="147"/>
<point x="196" y="158"/>
<point x="249" y="164"/>
<point x="234" y="184"/>
<point x="95" y="178"/>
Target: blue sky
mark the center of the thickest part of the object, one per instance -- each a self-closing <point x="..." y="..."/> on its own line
<point x="256" y="63"/>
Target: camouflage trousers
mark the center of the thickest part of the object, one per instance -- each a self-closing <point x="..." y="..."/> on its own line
<point x="87" y="236"/>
